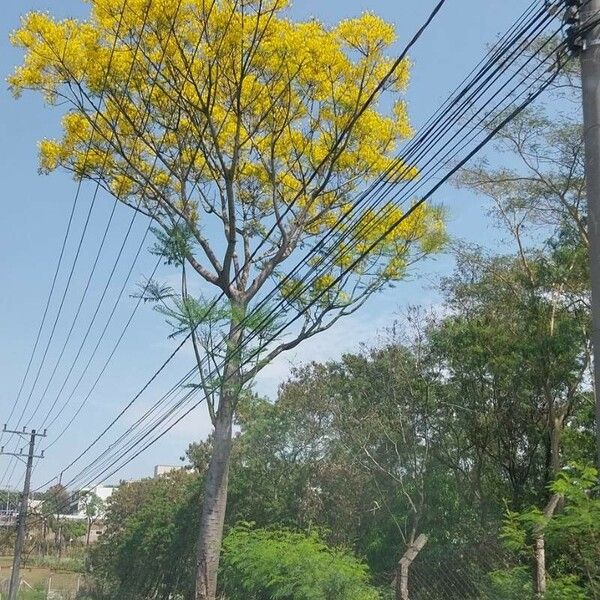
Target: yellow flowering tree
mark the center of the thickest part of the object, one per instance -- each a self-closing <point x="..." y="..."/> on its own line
<point x="243" y="136"/>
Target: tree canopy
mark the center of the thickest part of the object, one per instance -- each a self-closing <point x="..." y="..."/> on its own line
<point x="245" y="138"/>
<point x="218" y="119"/>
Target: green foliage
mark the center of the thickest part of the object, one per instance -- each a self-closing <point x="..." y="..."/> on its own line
<point x="37" y="593"/>
<point x="516" y="583"/>
<point x="174" y="243"/>
<point x="572" y="536"/>
<point x="72" y="530"/>
<point x="574" y="533"/>
<point x="147" y="549"/>
<point x="262" y="564"/>
<point x="148" y="552"/>
<point x="184" y="312"/>
<point x="509" y="584"/>
<point x="515" y="353"/>
<point x="9" y="499"/>
<point x="566" y="588"/>
<point x="72" y="562"/>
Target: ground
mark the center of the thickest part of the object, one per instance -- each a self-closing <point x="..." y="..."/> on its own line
<point x="64" y="582"/>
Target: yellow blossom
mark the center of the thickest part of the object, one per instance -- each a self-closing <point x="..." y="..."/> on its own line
<point x="171" y="97"/>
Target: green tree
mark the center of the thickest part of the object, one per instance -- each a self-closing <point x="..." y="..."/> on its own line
<point x="9" y="500"/>
<point x="73" y="530"/>
<point x="572" y="537"/>
<point x="539" y="200"/>
<point x="243" y="136"/>
<point x="93" y="507"/>
<point x="55" y="502"/>
<point x="517" y="352"/>
<point x="147" y="549"/>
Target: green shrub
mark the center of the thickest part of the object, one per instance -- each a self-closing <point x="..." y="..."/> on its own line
<point x="507" y="584"/>
<point x="276" y="564"/>
<point x="37" y="593"/>
<point x="66" y="563"/>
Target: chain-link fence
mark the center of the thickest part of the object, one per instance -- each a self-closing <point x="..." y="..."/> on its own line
<point x="42" y="584"/>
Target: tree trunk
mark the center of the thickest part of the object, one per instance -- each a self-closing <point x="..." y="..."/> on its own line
<point x="540" y="565"/>
<point x="404" y="566"/>
<point x="556" y="427"/>
<point x="60" y="541"/>
<point x="214" y="504"/>
<point x="89" y="530"/>
<point x="214" y="500"/>
<point x="540" y="549"/>
<point x="44" y="536"/>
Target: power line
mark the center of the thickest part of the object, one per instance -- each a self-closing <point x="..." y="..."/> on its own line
<point x="364" y="106"/>
<point x="520" y="108"/>
<point x="490" y="136"/>
<point x="61" y="255"/>
<point x="485" y="142"/>
<point x="88" y="147"/>
<point x="192" y="392"/>
<point x="302" y="262"/>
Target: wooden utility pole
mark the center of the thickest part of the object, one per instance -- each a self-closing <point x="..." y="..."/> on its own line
<point x="15" y="577"/>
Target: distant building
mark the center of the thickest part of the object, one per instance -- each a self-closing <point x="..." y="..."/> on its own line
<point x="104" y="492"/>
<point x="160" y="470"/>
<point x="34" y="505"/>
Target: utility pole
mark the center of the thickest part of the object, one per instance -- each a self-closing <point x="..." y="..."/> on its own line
<point x="15" y="578"/>
<point x="584" y="39"/>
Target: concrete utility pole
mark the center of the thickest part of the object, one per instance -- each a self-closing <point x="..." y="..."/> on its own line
<point x="15" y="578"/>
<point x="586" y="37"/>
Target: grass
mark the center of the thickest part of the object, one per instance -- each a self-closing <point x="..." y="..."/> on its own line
<point x="58" y="575"/>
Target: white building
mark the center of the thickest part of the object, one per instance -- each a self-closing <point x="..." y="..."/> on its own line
<point x="164" y="469"/>
<point x="34" y="505"/>
<point x="104" y="492"/>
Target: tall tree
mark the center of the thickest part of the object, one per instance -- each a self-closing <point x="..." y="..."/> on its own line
<point x="93" y="508"/>
<point x="56" y="501"/>
<point x="538" y="198"/>
<point x="518" y="354"/>
<point x="242" y="136"/>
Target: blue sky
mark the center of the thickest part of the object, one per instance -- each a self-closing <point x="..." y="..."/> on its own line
<point x="35" y="209"/>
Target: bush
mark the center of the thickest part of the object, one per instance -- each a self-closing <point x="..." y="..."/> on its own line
<point x="517" y="583"/>
<point x="37" y="593"/>
<point x="66" y="563"/>
<point x="512" y="583"/>
<point x="276" y="564"/>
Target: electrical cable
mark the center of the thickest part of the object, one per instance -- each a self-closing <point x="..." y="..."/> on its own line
<point x="487" y="139"/>
<point x="399" y="60"/>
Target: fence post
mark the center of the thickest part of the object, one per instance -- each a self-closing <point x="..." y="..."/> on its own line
<point x="540" y="547"/>
<point x="407" y="559"/>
